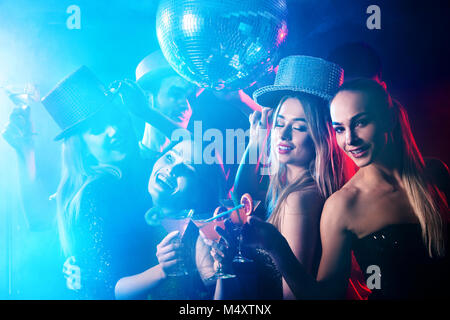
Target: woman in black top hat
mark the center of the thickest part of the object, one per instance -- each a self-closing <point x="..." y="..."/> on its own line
<point x="101" y="198"/>
<point x="306" y="166"/>
<point x="102" y="191"/>
<point x="390" y="213"/>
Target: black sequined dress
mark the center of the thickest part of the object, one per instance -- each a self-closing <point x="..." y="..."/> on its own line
<point x="407" y="271"/>
<point x="111" y="239"/>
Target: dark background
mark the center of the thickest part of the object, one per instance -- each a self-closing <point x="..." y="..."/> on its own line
<point x="413" y="43"/>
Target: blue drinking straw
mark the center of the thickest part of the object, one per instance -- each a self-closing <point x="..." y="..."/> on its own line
<point x="224" y="213"/>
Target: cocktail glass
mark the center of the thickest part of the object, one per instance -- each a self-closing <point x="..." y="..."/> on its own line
<point x="239" y="218"/>
<point x="178" y="222"/>
<point x="22" y="97"/>
<point x="208" y="232"/>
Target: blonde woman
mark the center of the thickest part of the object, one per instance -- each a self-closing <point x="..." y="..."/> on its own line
<point x="306" y="166"/>
<point x="389" y="213"/>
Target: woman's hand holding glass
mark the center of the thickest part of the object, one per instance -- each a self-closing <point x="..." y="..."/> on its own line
<point x="239" y="218"/>
<point x="171" y="255"/>
<point x="18" y="132"/>
<point x="208" y="231"/>
<point x="226" y="249"/>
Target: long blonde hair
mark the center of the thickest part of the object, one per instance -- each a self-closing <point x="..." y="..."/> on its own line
<point x="425" y="199"/>
<point x="79" y="169"/>
<point x="326" y="172"/>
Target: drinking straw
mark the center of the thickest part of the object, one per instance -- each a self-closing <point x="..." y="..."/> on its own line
<point x="224" y="213"/>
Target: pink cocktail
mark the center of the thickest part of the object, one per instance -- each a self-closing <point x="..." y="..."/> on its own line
<point x="207" y="230"/>
<point x="171" y="224"/>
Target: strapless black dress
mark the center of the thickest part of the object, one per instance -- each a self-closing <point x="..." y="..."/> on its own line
<point x="407" y="271"/>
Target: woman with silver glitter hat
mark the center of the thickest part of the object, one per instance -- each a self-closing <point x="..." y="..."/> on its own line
<point x="305" y="165"/>
<point x="390" y="213"/>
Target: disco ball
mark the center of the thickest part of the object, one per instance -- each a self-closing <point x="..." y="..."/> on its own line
<point x="221" y="44"/>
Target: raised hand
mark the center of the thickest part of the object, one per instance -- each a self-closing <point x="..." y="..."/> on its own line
<point x="136" y="101"/>
<point x="18" y="132"/>
<point x="133" y="97"/>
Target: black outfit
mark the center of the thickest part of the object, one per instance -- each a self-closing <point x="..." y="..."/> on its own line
<point x="259" y="279"/>
<point x="111" y="238"/>
<point x="407" y="271"/>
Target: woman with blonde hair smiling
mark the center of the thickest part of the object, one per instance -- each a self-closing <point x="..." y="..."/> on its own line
<point x="390" y="213"/>
<point x="306" y="165"/>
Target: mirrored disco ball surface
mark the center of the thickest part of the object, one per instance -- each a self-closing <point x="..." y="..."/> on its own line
<point x="221" y="44"/>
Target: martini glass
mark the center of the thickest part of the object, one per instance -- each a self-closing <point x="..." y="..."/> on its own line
<point x="207" y="230"/>
<point x="178" y="222"/>
<point x="22" y="98"/>
<point x="239" y="218"/>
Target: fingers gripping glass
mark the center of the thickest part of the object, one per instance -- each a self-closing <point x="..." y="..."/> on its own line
<point x="207" y="230"/>
<point x="23" y="98"/>
<point x="239" y="218"/>
<point x="178" y="222"/>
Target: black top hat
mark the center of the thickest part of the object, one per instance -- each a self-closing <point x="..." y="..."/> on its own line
<point x="305" y="74"/>
<point x="75" y="99"/>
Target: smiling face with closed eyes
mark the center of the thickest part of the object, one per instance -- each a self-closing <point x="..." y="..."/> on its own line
<point x="291" y="139"/>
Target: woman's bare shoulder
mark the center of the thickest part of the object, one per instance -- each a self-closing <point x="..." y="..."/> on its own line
<point x="305" y="201"/>
<point x="339" y="207"/>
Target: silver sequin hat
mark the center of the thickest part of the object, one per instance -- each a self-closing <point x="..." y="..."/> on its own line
<point x="305" y="74"/>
